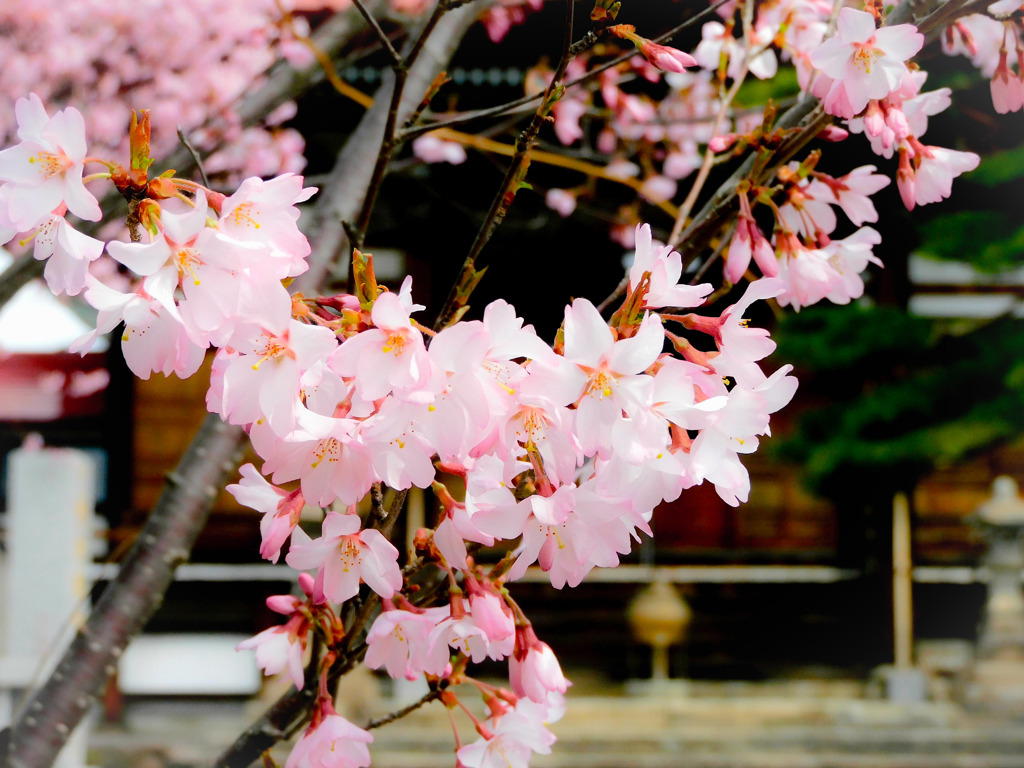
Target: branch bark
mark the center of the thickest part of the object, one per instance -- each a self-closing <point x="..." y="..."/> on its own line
<point x="53" y="711"/>
<point x="342" y="196"/>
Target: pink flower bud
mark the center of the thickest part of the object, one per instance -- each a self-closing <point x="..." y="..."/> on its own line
<point x="533" y="669"/>
<point x="833" y="133"/>
<point x="874" y="119"/>
<point x="284" y="604"/>
<point x="722" y="143"/>
<point x="905" y="180"/>
<point x="665" y="58"/>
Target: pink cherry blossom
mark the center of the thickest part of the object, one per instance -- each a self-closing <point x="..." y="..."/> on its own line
<point x="666" y="269"/>
<point x="464" y="634"/>
<point x="533" y="669"/>
<point x="1007" y="88"/>
<point x="206" y="267"/>
<point x="264" y="212"/>
<point x="323" y="453"/>
<point x="399" y="641"/>
<point x="331" y="741"/>
<point x="490" y="611"/>
<point x="45" y="169"/>
<point x="935" y="170"/>
<point x="280" y="648"/>
<point x="665" y="58"/>
<point x="562" y="201"/>
<point x="262" y="380"/>
<point x="391" y="356"/>
<point x="281" y="510"/>
<point x="608" y="371"/>
<point x="431" y="148"/>
<point x="516" y="736"/>
<point x="153" y="339"/>
<point x="853" y="193"/>
<point x="863" y="62"/>
<point x="345" y="556"/>
<point x="68" y="253"/>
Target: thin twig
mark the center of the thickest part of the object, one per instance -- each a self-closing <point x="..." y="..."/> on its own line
<point x="526" y="101"/>
<point x="396" y="60"/>
<point x="390" y="142"/>
<point x="183" y="138"/>
<point x="514" y="177"/>
<point x="406" y="710"/>
<point x="709" y="155"/>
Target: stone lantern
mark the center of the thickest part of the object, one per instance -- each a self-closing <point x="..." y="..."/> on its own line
<point x="659" y="617"/>
<point x="998" y="675"/>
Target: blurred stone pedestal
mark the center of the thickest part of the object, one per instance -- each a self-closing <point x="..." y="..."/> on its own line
<point x="658" y="688"/>
<point x="997" y="678"/>
<point x="996" y="685"/>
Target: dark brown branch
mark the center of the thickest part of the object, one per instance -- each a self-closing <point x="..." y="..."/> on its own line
<point x="381" y="36"/>
<point x="342" y="196"/>
<point x="426" y="698"/>
<point x="53" y="711"/>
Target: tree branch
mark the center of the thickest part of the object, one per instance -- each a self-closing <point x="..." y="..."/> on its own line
<point x="166" y="539"/>
<point x="514" y="177"/>
<point x="342" y="196"/>
<point x="807" y="115"/>
<point x="527" y="101"/>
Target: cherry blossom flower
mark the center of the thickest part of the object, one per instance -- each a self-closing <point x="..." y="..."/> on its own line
<point x="323" y="453"/>
<point x="562" y="201"/>
<point x="264" y="212"/>
<point x="665" y="58"/>
<point x="344" y="556"/>
<point x="153" y="339"/>
<point x="45" y="169"/>
<point x="281" y="510"/>
<point x="391" y="356"/>
<point x="1007" y="89"/>
<point x="399" y="641"/>
<point x="533" y="669"/>
<point x="68" y="253"/>
<point x="490" y="612"/>
<point x="853" y="193"/>
<point x="331" y="741"/>
<point x="431" y="148"/>
<point x="934" y="169"/>
<point x="261" y="382"/>
<point x="207" y="268"/>
<point x="666" y="268"/>
<point x="608" y="371"/>
<point x="863" y="62"/>
<point x="463" y="633"/>
<point x="516" y="736"/>
<point x="280" y="648"/>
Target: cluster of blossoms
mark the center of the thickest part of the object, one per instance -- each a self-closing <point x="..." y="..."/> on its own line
<point x="557" y="453"/>
<point x="564" y="450"/>
<point x="858" y="69"/>
<point x="190" y="59"/>
<point x="993" y="43"/>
